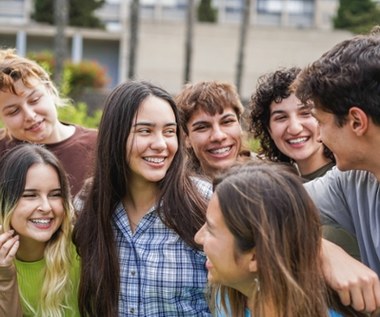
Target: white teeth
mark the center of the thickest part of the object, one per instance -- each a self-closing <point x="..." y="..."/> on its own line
<point x="221" y="150"/>
<point x="42" y="221"/>
<point x="154" y="159"/>
<point x="298" y="140"/>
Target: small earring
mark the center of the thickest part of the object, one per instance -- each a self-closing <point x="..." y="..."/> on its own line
<point x="257" y="283"/>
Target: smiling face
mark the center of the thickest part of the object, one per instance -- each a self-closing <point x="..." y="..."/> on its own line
<point x="225" y="264"/>
<point x="294" y="130"/>
<point x="39" y="212"/>
<point x="30" y="115"/>
<point x="215" y="139"/>
<point x="152" y="142"/>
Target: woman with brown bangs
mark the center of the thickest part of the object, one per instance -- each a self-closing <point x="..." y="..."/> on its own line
<point x="210" y="118"/>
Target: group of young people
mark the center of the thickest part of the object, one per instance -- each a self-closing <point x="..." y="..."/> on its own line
<point x="150" y="232"/>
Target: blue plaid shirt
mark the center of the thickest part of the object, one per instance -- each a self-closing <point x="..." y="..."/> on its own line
<point x="160" y="275"/>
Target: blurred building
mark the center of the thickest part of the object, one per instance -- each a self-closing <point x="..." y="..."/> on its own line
<point x="282" y="32"/>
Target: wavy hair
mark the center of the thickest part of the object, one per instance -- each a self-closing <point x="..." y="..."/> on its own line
<point x="266" y="207"/>
<point x="14" y="68"/>
<point x="14" y="167"/>
<point x="181" y="207"/>
<point x="272" y="87"/>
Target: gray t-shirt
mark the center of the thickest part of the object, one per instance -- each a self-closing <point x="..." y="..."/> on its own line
<point x="352" y="200"/>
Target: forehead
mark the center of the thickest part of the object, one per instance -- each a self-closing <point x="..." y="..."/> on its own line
<point x="155" y="109"/>
<point x="292" y="103"/>
<point x="202" y="115"/>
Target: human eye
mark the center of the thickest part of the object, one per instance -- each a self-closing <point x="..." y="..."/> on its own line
<point x="34" y="100"/>
<point x="143" y="131"/>
<point x="29" y="194"/>
<point x="170" y="131"/>
<point x="56" y="193"/>
<point x="306" y="113"/>
<point x="279" y="118"/>
<point x="229" y="121"/>
<point x="12" y="111"/>
<point x="200" y="127"/>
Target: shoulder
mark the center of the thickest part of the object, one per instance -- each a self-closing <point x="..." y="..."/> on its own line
<point x="203" y="186"/>
<point x="344" y="179"/>
<point x="82" y="132"/>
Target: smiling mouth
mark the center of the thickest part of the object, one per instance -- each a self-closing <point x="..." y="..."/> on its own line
<point x="222" y="150"/>
<point x="41" y="221"/>
<point x="298" y="140"/>
<point x="155" y="160"/>
<point x="34" y="126"/>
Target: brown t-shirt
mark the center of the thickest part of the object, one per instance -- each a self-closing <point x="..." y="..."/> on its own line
<point x="76" y="154"/>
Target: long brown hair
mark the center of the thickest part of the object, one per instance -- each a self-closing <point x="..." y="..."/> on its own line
<point x="266" y="207"/>
<point x="181" y="209"/>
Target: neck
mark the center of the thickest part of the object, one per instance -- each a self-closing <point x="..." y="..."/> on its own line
<point x="140" y="199"/>
<point x="61" y="132"/>
<point x="30" y="251"/>
<point x="313" y="163"/>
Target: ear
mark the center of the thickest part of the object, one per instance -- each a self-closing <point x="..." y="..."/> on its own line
<point x="253" y="262"/>
<point x="358" y="121"/>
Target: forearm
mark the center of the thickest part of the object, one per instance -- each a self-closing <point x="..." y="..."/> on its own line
<point x="9" y="296"/>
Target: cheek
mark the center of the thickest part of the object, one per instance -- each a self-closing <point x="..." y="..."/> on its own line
<point x="275" y="131"/>
<point x="197" y="140"/>
<point x="235" y="132"/>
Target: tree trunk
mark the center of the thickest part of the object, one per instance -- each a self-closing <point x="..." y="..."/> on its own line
<point x="61" y="14"/>
<point x="242" y="43"/>
<point x="133" y="39"/>
<point x="190" y="21"/>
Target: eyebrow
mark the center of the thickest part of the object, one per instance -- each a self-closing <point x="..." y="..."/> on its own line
<point x="151" y="124"/>
<point x="222" y="118"/>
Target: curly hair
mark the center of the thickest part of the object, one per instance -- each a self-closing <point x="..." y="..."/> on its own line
<point x="272" y="87"/>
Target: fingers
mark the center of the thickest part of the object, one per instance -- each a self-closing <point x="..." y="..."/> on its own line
<point x="8" y="247"/>
<point x="363" y="294"/>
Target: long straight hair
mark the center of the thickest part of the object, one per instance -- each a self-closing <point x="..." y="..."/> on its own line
<point x="14" y="167"/>
<point x="266" y="207"/>
<point x="181" y="207"/>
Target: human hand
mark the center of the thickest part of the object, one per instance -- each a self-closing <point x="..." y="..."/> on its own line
<point x="8" y="247"/>
<point x="356" y="284"/>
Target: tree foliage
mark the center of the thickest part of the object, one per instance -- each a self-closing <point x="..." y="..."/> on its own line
<point x="81" y="13"/>
<point x="206" y="12"/>
<point x="357" y="16"/>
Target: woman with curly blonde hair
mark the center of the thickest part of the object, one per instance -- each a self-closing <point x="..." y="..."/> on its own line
<point x="36" y="219"/>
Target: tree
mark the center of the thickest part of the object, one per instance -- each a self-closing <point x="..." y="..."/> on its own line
<point x="133" y="37"/>
<point x="206" y="12"/>
<point x="357" y="16"/>
<point x="60" y="42"/>
<point x="81" y="12"/>
<point x="242" y="42"/>
<point x="189" y="39"/>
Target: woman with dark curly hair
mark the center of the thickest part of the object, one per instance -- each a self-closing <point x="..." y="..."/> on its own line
<point x="285" y="127"/>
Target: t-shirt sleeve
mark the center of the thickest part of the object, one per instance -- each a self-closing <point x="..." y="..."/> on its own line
<point x="329" y="195"/>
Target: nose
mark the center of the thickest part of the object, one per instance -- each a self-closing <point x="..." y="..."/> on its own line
<point x="295" y="126"/>
<point x="159" y="143"/>
<point x="30" y="115"/>
<point x="44" y="205"/>
<point x="198" y="238"/>
<point x="218" y="134"/>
